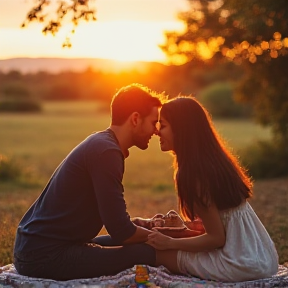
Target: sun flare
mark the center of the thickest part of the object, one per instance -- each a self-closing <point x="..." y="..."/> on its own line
<point x="121" y="40"/>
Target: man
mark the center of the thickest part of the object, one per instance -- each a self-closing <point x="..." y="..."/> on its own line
<point x="54" y="238"/>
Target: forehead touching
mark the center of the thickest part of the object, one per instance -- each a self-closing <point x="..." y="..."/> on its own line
<point x="153" y="116"/>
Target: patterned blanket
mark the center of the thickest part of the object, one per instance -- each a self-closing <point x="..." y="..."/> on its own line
<point x="158" y="277"/>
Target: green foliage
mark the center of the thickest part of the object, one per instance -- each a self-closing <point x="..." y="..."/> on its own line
<point x="258" y="20"/>
<point x="16" y="96"/>
<point x="218" y="100"/>
<point x="15" y="90"/>
<point x="253" y="30"/>
<point x="265" y="87"/>
<point x="13" y="171"/>
<point x="15" y="105"/>
<point x="266" y="159"/>
<point x="10" y="169"/>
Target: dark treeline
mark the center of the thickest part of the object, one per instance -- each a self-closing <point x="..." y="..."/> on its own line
<point x="97" y="85"/>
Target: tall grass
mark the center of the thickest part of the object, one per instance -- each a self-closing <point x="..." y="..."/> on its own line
<point x="41" y="141"/>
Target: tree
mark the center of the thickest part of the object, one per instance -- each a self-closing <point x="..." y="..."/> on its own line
<point x="231" y="28"/>
<point x="77" y="10"/>
<point x="251" y="33"/>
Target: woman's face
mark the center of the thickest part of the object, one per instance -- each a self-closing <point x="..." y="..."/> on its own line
<point x="166" y="135"/>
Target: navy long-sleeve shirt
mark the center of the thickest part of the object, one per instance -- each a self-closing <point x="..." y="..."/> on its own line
<point x="84" y="193"/>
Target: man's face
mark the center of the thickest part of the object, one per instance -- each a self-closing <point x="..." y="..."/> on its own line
<point x="146" y="128"/>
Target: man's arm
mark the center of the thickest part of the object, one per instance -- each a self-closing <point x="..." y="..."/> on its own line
<point x="106" y="173"/>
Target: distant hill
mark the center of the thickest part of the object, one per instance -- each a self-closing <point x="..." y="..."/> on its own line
<point x="56" y="65"/>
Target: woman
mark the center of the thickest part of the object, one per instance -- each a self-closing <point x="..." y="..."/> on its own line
<point x="213" y="186"/>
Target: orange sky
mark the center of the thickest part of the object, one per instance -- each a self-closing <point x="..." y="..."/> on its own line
<point x="125" y="30"/>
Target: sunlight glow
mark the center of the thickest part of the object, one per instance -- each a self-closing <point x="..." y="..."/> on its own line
<point x="118" y="40"/>
<point x="121" y="40"/>
<point x="132" y="30"/>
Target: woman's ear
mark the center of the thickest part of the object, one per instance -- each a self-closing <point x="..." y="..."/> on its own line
<point x="134" y="118"/>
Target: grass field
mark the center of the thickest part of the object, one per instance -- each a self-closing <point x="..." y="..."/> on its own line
<point x="40" y="141"/>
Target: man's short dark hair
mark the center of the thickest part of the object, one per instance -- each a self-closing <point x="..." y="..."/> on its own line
<point x="132" y="98"/>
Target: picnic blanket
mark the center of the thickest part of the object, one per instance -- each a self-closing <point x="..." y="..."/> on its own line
<point x="158" y="277"/>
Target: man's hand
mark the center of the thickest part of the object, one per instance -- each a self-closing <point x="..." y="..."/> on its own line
<point x="142" y="222"/>
<point x="149" y="223"/>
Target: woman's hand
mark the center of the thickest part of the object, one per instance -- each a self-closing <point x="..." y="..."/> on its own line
<point x="159" y="241"/>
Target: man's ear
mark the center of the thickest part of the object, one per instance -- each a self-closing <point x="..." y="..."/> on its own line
<point x="135" y="118"/>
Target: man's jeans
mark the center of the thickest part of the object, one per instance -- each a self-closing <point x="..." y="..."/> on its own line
<point x="84" y="261"/>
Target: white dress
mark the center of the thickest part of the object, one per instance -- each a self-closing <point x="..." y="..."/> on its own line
<point x="248" y="254"/>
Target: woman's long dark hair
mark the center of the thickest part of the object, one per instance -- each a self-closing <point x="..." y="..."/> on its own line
<point x="206" y="171"/>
